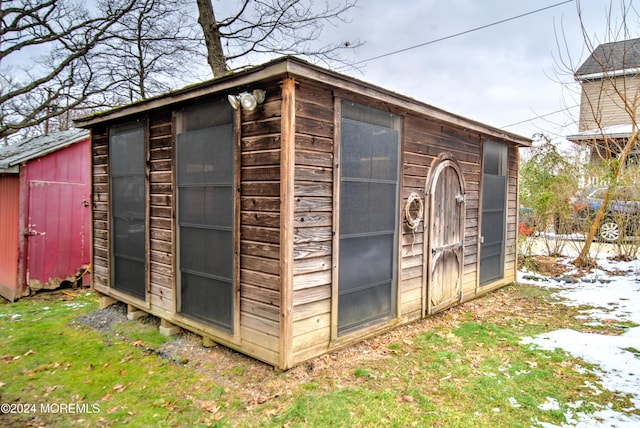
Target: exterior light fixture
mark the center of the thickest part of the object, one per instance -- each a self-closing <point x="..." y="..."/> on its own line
<point x="246" y="100"/>
<point x="234" y="100"/>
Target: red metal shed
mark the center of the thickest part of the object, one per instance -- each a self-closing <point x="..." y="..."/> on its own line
<point x="44" y="212"/>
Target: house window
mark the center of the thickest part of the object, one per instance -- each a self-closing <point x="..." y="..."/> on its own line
<point x="205" y="176"/>
<point x="128" y="211"/>
<point x="494" y="194"/>
<point x="368" y="206"/>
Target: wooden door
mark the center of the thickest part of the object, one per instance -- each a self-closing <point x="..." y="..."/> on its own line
<point x="445" y="242"/>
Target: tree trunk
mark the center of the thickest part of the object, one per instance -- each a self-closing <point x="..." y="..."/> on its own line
<point x="615" y="173"/>
<point x="211" y="31"/>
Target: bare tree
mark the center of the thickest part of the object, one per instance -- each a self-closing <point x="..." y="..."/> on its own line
<point x="609" y="96"/>
<point x="43" y="45"/>
<point x="57" y="56"/>
<point x="152" y="49"/>
<point x="280" y="27"/>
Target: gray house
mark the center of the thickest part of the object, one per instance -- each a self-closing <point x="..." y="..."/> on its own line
<point x="609" y="80"/>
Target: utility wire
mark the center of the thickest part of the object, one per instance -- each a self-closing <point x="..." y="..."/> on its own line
<point x="463" y="32"/>
<point x="540" y="116"/>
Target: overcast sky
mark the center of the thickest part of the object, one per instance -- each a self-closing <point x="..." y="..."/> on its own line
<point x="500" y="75"/>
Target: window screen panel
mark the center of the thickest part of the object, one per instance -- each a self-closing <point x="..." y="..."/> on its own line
<point x="204" y="162"/>
<point x="126" y="149"/>
<point x="368" y="151"/>
<point x="206" y="251"/>
<point x="205" y="177"/>
<point x="128" y="234"/>
<point x="364" y="207"/>
<point x="206" y="206"/>
<point x="362" y="307"/>
<point x="207" y="299"/>
<point x="494" y="158"/>
<point x="365" y="260"/>
<point x="494" y="185"/>
<point x="128" y="208"/>
<point x="369" y="157"/>
<point x="128" y="191"/>
<point x="129" y="276"/>
<point x="209" y="113"/>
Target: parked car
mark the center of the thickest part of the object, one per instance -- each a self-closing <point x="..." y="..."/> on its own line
<point x="622" y="212"/>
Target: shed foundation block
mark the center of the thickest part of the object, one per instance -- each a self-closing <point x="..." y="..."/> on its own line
<point x="105" y="301"/>
<point x="207" y="342"/>
<point x="168" y="329"/>
<point x="134" y="313"/>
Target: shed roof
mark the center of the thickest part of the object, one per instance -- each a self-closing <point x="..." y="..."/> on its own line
<point x="295" y="67"/>
<point x="611" y="59"/>
<point x="25" y="150"/>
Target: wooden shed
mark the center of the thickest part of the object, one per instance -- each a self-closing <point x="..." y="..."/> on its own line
<point x="44" y="212"/>
<point x="287" y="210"/>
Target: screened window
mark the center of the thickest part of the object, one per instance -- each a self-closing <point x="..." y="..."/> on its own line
<point x="205" y="175"/>
<point x="127" y="174"/>
<point x="494" y="194"/>
<point x="369" y="157"/>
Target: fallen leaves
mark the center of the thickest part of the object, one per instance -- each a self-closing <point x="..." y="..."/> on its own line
<point x="403" y="398"/>
<point x="119" y="387"/>
<point x="9" y="358"/>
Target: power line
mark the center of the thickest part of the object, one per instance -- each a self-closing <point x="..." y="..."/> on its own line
<point x="462" y="33"/>
<point x="540" y="116"/>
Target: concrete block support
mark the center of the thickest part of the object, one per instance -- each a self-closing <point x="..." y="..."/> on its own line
<point x="168" y="329"/>
<point x="134" y="313"/>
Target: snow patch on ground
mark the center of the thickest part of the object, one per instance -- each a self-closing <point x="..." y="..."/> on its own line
<point x="607" y="298"/>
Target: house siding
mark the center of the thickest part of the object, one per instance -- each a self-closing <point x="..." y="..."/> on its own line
<point x="601" y="106"/>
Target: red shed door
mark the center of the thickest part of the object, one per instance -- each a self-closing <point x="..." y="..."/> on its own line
<point x="445" y="224"/>
<point x="57" y="233"/>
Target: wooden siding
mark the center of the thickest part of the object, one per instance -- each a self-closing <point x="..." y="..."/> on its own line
<point x="313" y="210"/>
<point x="601" y="106"/>
<point x="161" y="288"/>
<point x="425" y="139"/>
<point x="510" y="268"/>
<point x="260" y="276"/>
<point x="100" y="211"/>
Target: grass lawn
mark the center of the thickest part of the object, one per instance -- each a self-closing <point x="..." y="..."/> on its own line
<point x="464" y="367"/>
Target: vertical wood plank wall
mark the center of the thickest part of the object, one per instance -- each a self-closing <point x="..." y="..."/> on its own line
<point x="510" y="267"/>
<point x="425" y="139"/>
<point x="260" y="228"/>
<point x="100" y="209"/>
<point x="313" y="212"/>
<point x="161" y="223"/>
